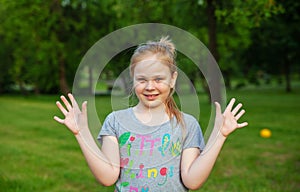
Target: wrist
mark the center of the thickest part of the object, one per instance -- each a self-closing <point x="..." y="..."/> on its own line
<point x="79" y="130"/>
<point x="221" y="136"/>
<point x="77" y="134"/>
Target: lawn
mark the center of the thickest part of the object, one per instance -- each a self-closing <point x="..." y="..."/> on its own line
<point x="37" y="154"/>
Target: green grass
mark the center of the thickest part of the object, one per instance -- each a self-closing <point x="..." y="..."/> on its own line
<point x="251" y="163"/>
<point x="37" y="154"/>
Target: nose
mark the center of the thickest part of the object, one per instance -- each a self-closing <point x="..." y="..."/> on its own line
<point x="150" y="85"/>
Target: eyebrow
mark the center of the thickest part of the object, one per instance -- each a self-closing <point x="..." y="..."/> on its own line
<point x="155" y="76"/>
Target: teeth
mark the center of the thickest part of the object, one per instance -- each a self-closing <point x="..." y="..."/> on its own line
<point x="151" y="96"/>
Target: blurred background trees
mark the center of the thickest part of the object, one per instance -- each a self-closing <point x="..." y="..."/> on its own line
<point x="42" y="42"/>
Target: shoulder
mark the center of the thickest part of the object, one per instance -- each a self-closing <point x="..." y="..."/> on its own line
<point x="122" y="114"/>
<point x="189" y="119"/>
<point x="118" y="116"/>
<point x="118" y="113"/>
<point x="191" y="123"/>
<point x="115" y="119"/>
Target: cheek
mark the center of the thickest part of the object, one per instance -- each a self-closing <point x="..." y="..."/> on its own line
<point x="138" y="87"/>
<point x="164" y="85"/>
<point x="164" y="88"/>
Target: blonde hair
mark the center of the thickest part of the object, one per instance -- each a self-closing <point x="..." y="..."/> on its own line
<point x="165" y="52"/>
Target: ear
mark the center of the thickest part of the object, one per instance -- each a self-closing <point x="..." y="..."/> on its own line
<point x="173" y="79"/>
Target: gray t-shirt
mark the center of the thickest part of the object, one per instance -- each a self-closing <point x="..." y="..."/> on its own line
<point x="150" y="155"/>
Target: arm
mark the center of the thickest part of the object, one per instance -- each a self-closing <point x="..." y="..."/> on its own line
<point x="196" y="167"/>
<point x="104" y="163"/>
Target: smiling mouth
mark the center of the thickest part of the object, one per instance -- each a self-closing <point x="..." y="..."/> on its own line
<point x="151" y="96"/>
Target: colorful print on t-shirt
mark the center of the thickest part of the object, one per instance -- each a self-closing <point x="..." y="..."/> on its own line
<point x="134" y="146"/>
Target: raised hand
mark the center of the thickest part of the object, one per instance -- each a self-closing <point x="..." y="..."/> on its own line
<point x="228" y="121"/>
<point x="75" y="119"/>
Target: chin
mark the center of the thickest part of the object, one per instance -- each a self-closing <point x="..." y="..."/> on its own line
<point x="153" y="104"/>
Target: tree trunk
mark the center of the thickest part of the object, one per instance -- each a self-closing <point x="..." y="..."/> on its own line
<point x="227" y="79"/>
<point x="288" y="87"/>
<point x="64" y="88"/>
<point x="59" y="33"/>
<point x="22" y="87"/>
<point x="214" y="81"/>
<point x="36" y="90"/>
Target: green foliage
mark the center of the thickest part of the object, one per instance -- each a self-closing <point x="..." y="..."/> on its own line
<point x="236" y="19"/>
<point x="275" y="45"/>
<point x="54" y="33"/>
<point x="247" y="14"/>
<point x="42" y="42"/>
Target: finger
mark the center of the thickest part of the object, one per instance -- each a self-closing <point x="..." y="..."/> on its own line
<point x="62" y="109"/>
<point x="59" y="120"/>
<point x="73" y="101"/>
<point x="241" y="113"/>
<point x="236" y="109"/>
<point x="66" y="102"/>
<point x="230" y="105"/>
<point x="244" y="124"/>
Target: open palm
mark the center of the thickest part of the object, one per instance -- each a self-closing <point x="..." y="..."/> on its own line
<point x="75" y="119"/>
<point x="228" y="121"/>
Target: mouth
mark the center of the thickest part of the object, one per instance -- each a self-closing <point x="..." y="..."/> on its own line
<point x="151" y="96"/>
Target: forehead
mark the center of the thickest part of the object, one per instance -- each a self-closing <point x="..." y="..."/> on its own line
<point x="151" y="67"/>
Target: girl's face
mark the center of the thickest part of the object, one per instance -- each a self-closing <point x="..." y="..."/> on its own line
<point x="152" y="82"/>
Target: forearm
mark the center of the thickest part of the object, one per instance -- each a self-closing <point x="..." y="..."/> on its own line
<point x="196" y="168"/>
<point x="104" y="170"/>
<point x="198" y="172"/>
<point x="104" y="163"/>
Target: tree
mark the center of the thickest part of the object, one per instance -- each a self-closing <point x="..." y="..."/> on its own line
<point x="275" y="44"/>
<point x="47" y="46"/>
<point x="235" y="20"/>
<point x="47" y="57"/>
<point x="213" y="47"/>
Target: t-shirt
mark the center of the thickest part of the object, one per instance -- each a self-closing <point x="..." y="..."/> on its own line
<point x="150" y="155"/>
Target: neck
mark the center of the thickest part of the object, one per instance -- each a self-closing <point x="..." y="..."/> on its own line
<point x="151" y="116"/>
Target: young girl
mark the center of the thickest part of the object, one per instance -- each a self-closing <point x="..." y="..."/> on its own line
<point x="151" y="146"/>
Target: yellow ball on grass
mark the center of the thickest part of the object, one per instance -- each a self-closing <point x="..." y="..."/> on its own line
<point x="265" y="133"/>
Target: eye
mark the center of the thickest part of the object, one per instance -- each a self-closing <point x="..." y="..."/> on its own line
<point x="141" y="80"/>
<point x="158" y="79"/>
